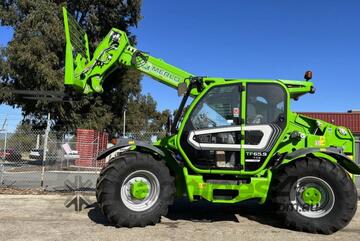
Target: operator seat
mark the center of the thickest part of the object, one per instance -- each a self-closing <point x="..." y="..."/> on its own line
<point x="256" y="113"/>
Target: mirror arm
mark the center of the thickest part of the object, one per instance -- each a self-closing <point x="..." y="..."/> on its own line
<point x="181" y="108"/>
<point x="195" y="81"/>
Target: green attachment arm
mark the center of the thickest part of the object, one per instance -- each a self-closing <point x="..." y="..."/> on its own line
<point x="87" y="75"/>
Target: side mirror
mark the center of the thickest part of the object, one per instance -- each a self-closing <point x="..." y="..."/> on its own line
<point x="182" y="88"/>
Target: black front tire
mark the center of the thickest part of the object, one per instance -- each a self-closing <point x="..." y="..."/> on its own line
<point x="342" y="188"/>
<point x="110" y="183"/>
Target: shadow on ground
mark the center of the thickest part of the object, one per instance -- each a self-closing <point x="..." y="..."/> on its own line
<point x="203" y="211"/>
<point x="96" y="215"/>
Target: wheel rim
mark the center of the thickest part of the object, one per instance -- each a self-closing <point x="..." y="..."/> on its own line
<point x="140" y="190"/>
<point x="312" y="197"/>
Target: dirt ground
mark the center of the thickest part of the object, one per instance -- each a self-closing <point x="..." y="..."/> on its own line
<point x="44" y="217"/>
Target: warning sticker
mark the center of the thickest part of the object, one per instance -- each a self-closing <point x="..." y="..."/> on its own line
<point x="236" y="112"/>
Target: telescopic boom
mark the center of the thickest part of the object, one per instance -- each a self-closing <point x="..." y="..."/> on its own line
<point x="87" y="74"/>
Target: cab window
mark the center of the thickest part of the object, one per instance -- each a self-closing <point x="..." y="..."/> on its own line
<point x="265" y="104"/>
<point x="220" y="107"/>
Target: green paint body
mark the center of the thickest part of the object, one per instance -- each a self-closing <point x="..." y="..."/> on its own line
<point x="87" y="74"/>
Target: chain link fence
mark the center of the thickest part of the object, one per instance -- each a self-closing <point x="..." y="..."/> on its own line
<point x="24" y="163"/>
<point x="36" y="159"/>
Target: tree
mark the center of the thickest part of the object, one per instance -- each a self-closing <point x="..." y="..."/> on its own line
<point x="34" y="60"/>
<point x="155" y="122"/>
<point x="23" y="139"/>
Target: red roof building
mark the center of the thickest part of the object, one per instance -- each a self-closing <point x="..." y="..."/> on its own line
<point x="350" y="119"/>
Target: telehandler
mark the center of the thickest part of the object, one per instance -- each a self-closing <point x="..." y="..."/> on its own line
<point x="237" y="140"/>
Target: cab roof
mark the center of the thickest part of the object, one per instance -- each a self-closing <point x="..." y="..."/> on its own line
<point x="296" y="88"/>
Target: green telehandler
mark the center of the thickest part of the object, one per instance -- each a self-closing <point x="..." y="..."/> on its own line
<point x="237" y="140"/>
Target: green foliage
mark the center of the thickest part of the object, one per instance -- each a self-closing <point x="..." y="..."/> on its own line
<point x="34" y="60"/>
<point x="24" y="138"/>
<point x="136" y="116"/>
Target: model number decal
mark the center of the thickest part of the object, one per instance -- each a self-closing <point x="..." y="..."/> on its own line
<point x="256" y="153"/>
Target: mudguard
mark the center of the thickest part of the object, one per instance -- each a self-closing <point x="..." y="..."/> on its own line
<point x="336" y="153"/>
<point x="130" y="143"/>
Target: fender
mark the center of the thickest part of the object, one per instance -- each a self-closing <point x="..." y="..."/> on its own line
<point x="130" y="143"/>
<point x="336" y="153"/>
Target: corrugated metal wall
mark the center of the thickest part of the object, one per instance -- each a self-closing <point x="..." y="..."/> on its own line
<point x="350" y="120"/>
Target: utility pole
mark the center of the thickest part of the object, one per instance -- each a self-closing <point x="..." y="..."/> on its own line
<point x="4" y="128"/>
<point x="125" y="109"/>
<point x="46" y="137"/>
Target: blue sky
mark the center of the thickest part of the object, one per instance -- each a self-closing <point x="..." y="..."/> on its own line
<point x="13" y="115"/>
<point x="278" y="39"/>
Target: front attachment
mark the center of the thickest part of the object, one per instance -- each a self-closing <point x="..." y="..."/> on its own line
<point x="77" y="53"/>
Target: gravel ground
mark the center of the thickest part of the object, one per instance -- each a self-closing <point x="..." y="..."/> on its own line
<point x="44" y="217"/>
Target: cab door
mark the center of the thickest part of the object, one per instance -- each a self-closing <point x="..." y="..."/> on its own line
<point x="266" y="105"/>
<point x="211" y="137"/>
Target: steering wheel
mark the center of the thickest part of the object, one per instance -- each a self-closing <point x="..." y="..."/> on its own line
<point x="204" y="121"/>
<point x="258" y="119"/>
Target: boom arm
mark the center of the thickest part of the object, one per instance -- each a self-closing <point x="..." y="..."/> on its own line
<point x="87" y="75"/>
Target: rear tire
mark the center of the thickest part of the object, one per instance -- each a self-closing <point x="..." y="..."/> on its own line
<point x="124" y="208"/>
<point x="314" y="195"/>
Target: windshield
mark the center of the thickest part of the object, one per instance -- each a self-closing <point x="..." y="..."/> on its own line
<point x="219" y="107"/>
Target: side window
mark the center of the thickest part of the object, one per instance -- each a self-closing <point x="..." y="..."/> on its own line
<point x="265" y="104"/>
<point x="220" y="107"/>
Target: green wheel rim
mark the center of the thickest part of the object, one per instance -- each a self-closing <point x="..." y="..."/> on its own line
<point x="139" y="190"/>
<point x="311" y="196"/>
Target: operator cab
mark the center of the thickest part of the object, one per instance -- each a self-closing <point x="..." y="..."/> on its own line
<point x="221" y="132"/>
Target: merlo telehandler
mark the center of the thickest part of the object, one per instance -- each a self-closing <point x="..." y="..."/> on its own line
<point x="237" y="140"/>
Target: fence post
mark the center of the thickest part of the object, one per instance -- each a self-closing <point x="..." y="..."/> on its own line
<point x="4" y="128"/>
<point x="97" y="148"/>
<point x="5" y="144"/>
<point x="45" y="149"/>
<point x="2" y="170"/>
